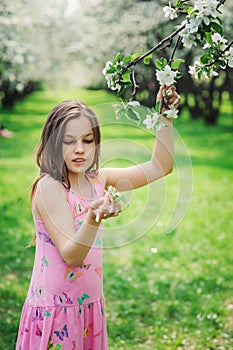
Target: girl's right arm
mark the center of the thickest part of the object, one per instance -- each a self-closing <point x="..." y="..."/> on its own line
<point x="50" y="206"/>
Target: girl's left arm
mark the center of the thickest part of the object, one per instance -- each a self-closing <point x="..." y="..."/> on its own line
<point x="160" y="164"/>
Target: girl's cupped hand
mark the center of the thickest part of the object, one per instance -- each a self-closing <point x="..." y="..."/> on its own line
<point x="105" y="207"/>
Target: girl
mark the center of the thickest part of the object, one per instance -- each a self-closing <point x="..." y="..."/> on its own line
<point x="64" y="308"/>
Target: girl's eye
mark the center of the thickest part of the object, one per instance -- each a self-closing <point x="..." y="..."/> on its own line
<point x="71" y="142"/>
<point x="68" y="142"/>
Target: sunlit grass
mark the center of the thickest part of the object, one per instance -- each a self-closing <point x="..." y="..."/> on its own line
<point x="180" y="297"/>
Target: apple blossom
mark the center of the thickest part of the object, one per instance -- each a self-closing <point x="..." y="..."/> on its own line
<point x="206" y="8"/>
<point x="171" y="113"/>
<point x="193" y="25"/>
<point x="170" y="12"/>
<point x="149" y="122"/>
<point x="166" y="76"/>
<point x="188" y="40"/>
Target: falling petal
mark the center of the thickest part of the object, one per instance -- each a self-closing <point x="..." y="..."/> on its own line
<point x="154" y="250"/>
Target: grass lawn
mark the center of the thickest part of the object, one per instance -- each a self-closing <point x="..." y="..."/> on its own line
<point x="177" y="296"/>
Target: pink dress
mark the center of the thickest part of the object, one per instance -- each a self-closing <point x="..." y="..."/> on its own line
<point x="64" y="308"/>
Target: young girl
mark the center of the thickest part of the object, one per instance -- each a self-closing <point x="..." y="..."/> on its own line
<point x="64" y="308"/>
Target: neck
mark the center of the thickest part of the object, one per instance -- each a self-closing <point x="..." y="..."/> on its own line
<point x="79" y="183"/>
<point x="77" y="180"/>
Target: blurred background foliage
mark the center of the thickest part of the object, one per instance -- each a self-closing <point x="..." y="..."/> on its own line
<point x="67" y="42"/>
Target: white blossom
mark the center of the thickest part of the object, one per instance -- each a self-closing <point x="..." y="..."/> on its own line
<point x="107" y="66"/>
<point x="170" y="12"/>
<point x="110" y="78"/>
<point x="150" y="121"/>
<point x="195" y="69"/>
<point x="171" y="113"/>
<point x="206" y="8"/>
<point x="166" y="76"/>
<point x="187" y="34"/>
<point x="193" y="25"/>
<point x="218" y="41"/>
<point x="216" y="37"/>
<point x="188" y="41"/>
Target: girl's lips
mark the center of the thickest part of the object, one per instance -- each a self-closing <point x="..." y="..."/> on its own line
<point x="79" y="161"/>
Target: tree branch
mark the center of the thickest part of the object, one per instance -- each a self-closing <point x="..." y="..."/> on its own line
<point x="134" y="84"/>
<point x="156" y="47"/>
<point x="174" y="51"/>
<point x="221" y="2"/>
<point x="220" y="54"/>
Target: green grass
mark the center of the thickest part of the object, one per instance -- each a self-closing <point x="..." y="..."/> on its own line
<point x="180" y="298"/>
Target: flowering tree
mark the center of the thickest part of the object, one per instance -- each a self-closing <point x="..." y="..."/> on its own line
<point x="15" y="53"/>
<point x="30" y="45"/>
<point x="202" y="27"/>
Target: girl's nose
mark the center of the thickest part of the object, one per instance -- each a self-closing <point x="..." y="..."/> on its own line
<point x="78" y="147"/>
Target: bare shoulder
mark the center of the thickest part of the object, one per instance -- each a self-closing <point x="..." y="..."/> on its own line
<point x="48" y="185"/>
<point x="48" y="192"/>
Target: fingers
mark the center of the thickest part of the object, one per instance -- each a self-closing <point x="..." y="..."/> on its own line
<point x="105" y="207"/>
<point x="171" y="99"/>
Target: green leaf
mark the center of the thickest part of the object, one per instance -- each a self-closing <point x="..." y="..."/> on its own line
<point x="175" y="64"/>
<point x="127" y="59"/>
<point x="125" y="83"/>
<point x="147" y="59"/>
<point x="163" y="60"/>
<point x="199" y="75"/>
<point x="126" y="77"/>
<point x="157" y="106"/>
<point x="135" y="56"/>
<point x="133" y="115"/>
<point x="111" y="70"/>
<point x="121" y="89"/>
<point x="208" y="38"/>
<point x="216" y="27"/>
<point x="118" y="57"/>
<point x="205" y="59"/>
<point x="179" y="75"/>
<point x="119" y="68"/>
<point x="160" y="64"/>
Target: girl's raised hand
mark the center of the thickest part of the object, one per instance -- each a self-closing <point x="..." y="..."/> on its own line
<point x="169" y="96"/>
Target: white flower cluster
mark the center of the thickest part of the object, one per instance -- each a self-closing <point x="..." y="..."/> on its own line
<point x="154" y="121"/>
<point x="110" y="77"/>
<point x="219" y="43"/>
<point x="202" y="12"/>
<point x="170" y="12"/>
<point x="206" y="9"/>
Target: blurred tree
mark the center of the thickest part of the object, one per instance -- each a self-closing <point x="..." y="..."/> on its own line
<point x="30" y="45"/>
<point x="15" y="53"/>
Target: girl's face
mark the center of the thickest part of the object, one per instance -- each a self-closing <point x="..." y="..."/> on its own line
<point x="78" y="147"/>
